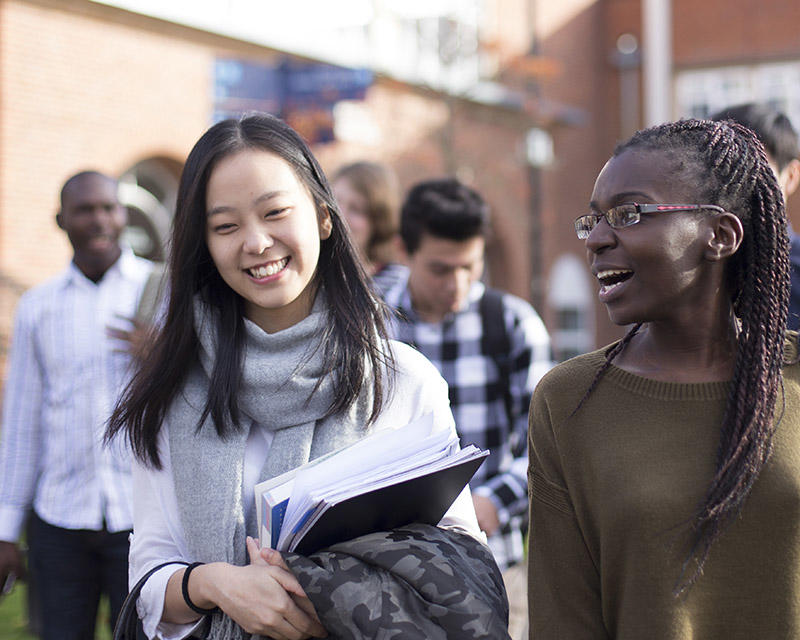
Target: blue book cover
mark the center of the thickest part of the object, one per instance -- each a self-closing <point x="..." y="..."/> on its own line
<point x="273" y="520"/>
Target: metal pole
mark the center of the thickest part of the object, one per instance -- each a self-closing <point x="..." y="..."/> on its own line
<point x="657" y="58"/>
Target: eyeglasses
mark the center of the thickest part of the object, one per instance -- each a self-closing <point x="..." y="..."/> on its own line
<point x="626" y="215"/>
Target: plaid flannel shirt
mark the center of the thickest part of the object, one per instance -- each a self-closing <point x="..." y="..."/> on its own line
<point x="477" y="397"/>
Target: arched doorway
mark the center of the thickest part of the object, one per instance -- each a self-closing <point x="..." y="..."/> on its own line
<point x="149" y="189"/>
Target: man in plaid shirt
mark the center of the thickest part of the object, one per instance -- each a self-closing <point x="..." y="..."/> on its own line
<point x="491" y="348"/>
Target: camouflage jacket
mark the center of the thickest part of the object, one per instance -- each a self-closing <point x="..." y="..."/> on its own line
<point x="417" y="582"/>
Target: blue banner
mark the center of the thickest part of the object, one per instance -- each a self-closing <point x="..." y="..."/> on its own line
<point x="302" y="93"/>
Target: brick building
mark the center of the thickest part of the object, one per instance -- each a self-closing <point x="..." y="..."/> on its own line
<point x="721" y="53"/>
<point x="87" y="83"/>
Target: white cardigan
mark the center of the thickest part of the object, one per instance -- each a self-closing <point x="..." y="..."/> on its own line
<point x="158" y="534"/>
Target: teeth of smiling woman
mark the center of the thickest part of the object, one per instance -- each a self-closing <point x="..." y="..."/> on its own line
<point x="268" y="269"/>
<point x="610" y="273"/>
<point x="610" y="279"/>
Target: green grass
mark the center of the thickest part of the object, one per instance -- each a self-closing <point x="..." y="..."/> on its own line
<point x="13" y="622"/>
<point x="13" y="617"/>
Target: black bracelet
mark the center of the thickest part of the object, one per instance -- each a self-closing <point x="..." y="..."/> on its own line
<point x="185" y="590"/>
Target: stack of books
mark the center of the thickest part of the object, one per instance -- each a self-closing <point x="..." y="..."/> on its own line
<point x="388" y="479"/>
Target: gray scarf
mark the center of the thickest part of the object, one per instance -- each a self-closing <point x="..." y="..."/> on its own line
<point x="277" y="393"/>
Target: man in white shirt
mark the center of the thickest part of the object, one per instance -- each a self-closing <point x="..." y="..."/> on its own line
<point x="65" y="372"/>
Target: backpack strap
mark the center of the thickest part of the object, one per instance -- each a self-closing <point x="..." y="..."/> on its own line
<point x="152" y="292"/>
<point x="495" y="342"/>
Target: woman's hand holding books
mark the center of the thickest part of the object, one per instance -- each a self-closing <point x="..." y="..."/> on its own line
<point x="262" y="597"/>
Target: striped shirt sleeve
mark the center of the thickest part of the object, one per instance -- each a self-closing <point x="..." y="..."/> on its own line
<point x="21" y="440"/>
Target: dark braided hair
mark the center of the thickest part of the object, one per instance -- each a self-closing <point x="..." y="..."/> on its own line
<point x="728" y="164"/>
<point x="612" y="353"/>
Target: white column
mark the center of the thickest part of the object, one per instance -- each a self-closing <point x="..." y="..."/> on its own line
<point x="657" y="60"/>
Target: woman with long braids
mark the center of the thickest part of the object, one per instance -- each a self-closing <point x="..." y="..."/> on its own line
<point x="664" y="469"/>
<point x="273" y="353"/>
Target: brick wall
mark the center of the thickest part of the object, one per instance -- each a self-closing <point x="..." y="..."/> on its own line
<point x="482" y="146"/>
<point x="84" y="85"/>
<point x="582" y="34"/>
<point x="572" y="33"/>
<point x="725" y="31"/>
<point x="81" y="92"/>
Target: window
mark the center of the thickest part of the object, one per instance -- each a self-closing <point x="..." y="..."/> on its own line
<point x="569" y="318"/>
<point x="701" y="92"/>
<point x="571" y="301"/>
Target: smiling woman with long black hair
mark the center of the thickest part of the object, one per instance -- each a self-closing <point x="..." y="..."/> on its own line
<point x="664" y="469"/>
<point x="273" y="353"/>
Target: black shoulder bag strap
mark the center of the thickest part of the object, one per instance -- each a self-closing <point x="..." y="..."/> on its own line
<point x="495" y="342"/>
<point x="128" y="626"/>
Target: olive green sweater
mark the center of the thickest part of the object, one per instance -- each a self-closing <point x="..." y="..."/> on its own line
<point x="612" y="489"/>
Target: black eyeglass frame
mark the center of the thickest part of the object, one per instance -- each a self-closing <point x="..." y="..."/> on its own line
<point x="583" y="233"/>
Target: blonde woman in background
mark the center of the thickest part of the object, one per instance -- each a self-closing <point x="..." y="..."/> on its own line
<point x="367" y="195"/>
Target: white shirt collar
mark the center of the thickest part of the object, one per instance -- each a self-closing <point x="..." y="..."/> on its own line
<point x="125" y="266"/>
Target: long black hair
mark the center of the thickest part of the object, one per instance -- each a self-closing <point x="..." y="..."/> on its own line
<point x="355" y="335"/>
<point x="728" y="165"/>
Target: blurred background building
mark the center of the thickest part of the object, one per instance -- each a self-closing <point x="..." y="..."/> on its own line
<point x="522" y="99"/>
